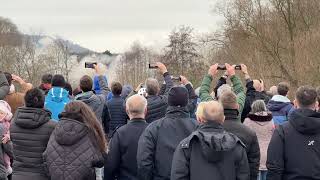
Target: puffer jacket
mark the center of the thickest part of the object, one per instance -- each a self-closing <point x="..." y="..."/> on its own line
<point x="4" y="86"/>
<point x="210" y="153"/>
<point x="158" y="142"/>
<point x="294" y="149"/>
<point x="118" y="115"/>
<point x="56" y="100"/>
<point x="72" y="152"/>
<point x="280" y="106"/>
<point x="30" y="132"/>
<point x="261" y="123"/>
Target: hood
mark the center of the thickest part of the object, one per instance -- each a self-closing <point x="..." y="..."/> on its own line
<point x="215" y="141"/>
<point x="6" y="109"/>
<point x="31" y="118"/>
<point x="88" y="98"/>
<point x="260" y="116"/>
<point x="175" y="111"/>
<point x="277" y="105"/>
<point x="280" y="98"/>
<point x="306" y="121"/>
<point x="58" y="94"/>
<point x="69" y="131"/>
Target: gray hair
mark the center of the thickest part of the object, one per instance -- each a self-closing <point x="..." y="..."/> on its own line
<point x="152" y="86"/>
<point x="258" y="106"/>
<point x="136" y="105"/>
<point x="222" y="89"/>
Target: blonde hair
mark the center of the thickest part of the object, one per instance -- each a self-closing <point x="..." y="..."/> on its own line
<point x="200" y="110"/>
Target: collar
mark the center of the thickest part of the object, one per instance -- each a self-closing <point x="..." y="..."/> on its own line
<point x="177" y="112"/>
<point x="137" y="120"/>
<point x="211" y="125"/>
<point x="231" y="114"/>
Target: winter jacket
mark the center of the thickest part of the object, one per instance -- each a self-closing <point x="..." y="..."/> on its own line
<point x="247" y="136"/>
<point x="159" y="141"/>
<point x="56" y="100"/>
<point x="4" y="86"/>
<point x="30" y="132"/>
<point x="121" y="161"/>
<point x="236" y="86"/>
<point x="72" y="152"/>
<point x="16" y="99"/>
<point x="261" y="123"/>
<point x="293" y="153"/>
<point x="98" y="89"/>
<point x="126" y="90"/>
<point x="5" y="152"/>
<point x="251" y="96"/>
<point x="118" y="115"/>
<point x="280" y="106"/>
<point x="210" y="153"/>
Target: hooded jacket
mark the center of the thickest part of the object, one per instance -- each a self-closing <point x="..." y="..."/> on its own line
<point x="210" y="153"/>
<point x="30" y="132"/>
<point x="280" y="106"/>
<point x="95" y="102"/>
<point x="247" y="136"/>
<point x="261" y="123"/>
<point x="56" y="100"/>
<point x="159" y="141"/>
<point x="294" y="150"/>
<point x="72" y="151"/>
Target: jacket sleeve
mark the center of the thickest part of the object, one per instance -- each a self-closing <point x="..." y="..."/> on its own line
<point x="113" y="158"/>
<point x="220" y="82"/>
<point x="180" y="164"/>
<point x="4" y="86"/>
<point x="163" y="89"/>
<point x="275" y="161"/>
<point x="205" y="88"/>
<point x="242" y="169"/>
<point x="192" y="104"/>
<point x="106" y="119"/>
<point x="169" y="85"/>
<point x="254" y="158"/>
<point x="145" y="153"/>
<point x="238" y="89"/>
<point x="103" y="83"/>
<point x="8" y="149"/>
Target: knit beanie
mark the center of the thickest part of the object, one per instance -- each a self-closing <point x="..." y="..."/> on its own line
<point x="178" y="96"/>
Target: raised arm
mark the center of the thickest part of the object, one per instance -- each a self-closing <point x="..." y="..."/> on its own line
<point x="192" y="104"/>
<point x="206" y="83"/>
<point x="167" y="78"/>
<point x="103" y="83"/>
<point x="4" y="86"/>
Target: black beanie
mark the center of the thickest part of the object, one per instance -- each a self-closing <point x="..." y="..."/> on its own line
<point x="178" y="96"/>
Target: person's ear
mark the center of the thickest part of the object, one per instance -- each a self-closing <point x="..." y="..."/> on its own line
<point x="295" y="104"/>
<point x="317" y="106"/>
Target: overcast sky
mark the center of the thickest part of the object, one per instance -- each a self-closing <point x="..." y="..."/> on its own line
<point x="109" y="24"/>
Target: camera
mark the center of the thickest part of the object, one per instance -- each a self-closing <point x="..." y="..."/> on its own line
<point x="223" y="67"/>
<point x="153" y="66"/>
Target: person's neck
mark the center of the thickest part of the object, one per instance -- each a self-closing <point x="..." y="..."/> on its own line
<point x="137" y="117"/>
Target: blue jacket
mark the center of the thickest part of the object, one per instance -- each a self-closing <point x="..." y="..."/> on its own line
<point x="280" y="106"/>
<point x="55" y="101"/>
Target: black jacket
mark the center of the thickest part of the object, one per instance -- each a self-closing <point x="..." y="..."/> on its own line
<point x="30" y="132"/>
<point x="72" y="152"/>
<point x="159" y="141"/>
<point x="210" y="153"/>
<point x="121" y="161"/>
<point x="294" y="150"/>
<point x="118" y="115"/>
<point x="157" y="104"/>
<point x="247" y="136"/>
<point x="251" y="96"/>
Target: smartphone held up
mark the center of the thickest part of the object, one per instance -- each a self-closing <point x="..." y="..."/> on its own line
<point x="90" y="65"/>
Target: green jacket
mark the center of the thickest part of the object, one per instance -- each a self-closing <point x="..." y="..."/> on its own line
<point x="237" y="87"/>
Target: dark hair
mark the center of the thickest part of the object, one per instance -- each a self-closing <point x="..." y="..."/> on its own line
<point x="76" y="91"/>
<point x="68" y="87"/>
<point x="283" y="88"/>
<point x="116" y="88"/>
<point x="58" y="81"/>
<point x="86" y="83"/>
<point x="79" y="111"/>
<point x="306" y="96"/>
<point x="34" y="98"/>
<point x="46" y="79"/>
<point x="8" y="77"/>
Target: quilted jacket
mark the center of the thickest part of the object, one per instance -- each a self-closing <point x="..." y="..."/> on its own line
<point x="72" y="152"/>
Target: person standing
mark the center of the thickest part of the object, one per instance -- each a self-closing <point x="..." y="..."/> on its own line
<point x="160" y="139"/>
<point x="57" y="97"/>
<point x="210" y="152"/>
<point x="260" y="121"/>
<point x="293" y="152"/>
<point x="46" y="85"/>
<point x="76" y="146"/>
<point x="121" y="161"/>
<point x="4" y="86"/>
<point x="30" y="131"/>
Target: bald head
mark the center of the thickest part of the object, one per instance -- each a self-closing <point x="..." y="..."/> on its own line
<point x="257" y="85"/>
<point x="213" y="111"/>
<point x="152" y="86"/>
<point x="136" y="106"/>
<point x="273" y="90"/>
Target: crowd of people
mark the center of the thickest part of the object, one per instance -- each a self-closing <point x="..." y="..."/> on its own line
<point x="158" y="131"/>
